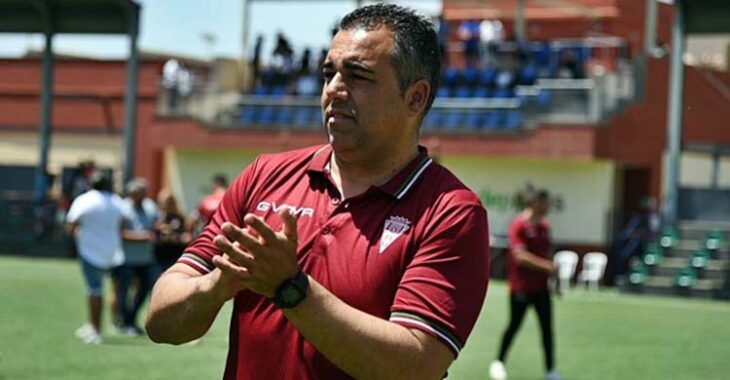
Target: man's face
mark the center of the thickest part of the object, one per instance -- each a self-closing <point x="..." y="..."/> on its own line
<point x="541" y="206"/>
<point x="138" y="196"/>
<point x="364" y="112"/>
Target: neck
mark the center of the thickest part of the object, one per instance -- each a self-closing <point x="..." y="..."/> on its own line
<point x="532" y="215"/>
<point x="353" y="178"/>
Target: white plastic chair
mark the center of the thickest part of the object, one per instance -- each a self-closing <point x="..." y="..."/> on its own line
<point x="594" y="265"/>
<point x="566" y="262"/>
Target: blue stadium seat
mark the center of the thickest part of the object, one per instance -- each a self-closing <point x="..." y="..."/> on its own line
<point x="443" y="91"/>
<point x="266" y="115"/>
<point x="450" y="76"/>
<point x="260" y="91"/>
<point x="302" y="117"/>
<point x="472" y="120"/>
<point x="482" y="92"/>
<point x="528" y="75"/>
<point x="487" y="76"/>
<point x="543" y="99"/>
<point x="469" y="76"/>
<point x="463" y="92"/>
<point x="513" y="120"/>
<point x="317" y="116"/>
<point x="452" y="120"/>
<point x="492" y="120"/>
<point x="541" y="56"/>
<point x="278" y="91"/>
<point x="247" y="114"/>
<point x="503" y="93"/>
<point x="432" y="120"/>
<point x="283" y="115"/>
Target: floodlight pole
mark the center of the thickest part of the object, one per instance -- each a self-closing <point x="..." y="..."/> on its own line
<point x="650" y="46"/>
<point x="130" y="98"/>
<point x="44" y="138"/>
<point x="520" y="21"/>
<point x="246" y="30"/>
<point x="674" y="111"/>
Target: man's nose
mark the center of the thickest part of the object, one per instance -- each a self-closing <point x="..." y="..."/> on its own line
<point x="335" y="88"/>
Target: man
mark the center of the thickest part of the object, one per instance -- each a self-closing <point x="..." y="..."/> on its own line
<point x="358" y="259"/>
<point x="95" y="221"/>
<point x="140" y="266"/>
<point x="209" y="204"/>
<point x="529" y="267"/>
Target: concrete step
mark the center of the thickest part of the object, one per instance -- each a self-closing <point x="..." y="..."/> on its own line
<point x="664" y="286"/>
<point x="681" y="262"/>
<point x="686" y="248"/>
<point x="698" y="229"/>
<point x="672" y="270"/>
<point x="669" y="291"/>
<point x="668" y="282"/>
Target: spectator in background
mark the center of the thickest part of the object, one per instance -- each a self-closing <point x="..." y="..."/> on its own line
<point x="305" y="63"/>
<point x="509" y="67"/>
<point x="170" y="81"/>
<point x="95" y="221"/>
<point x="529" y="266"/>
<point x="491" y="33"/>
<point x="208" y="205"/>
<point x="282" y="60"/>
<point x="81" y="182"/>
<point x="307" y="81"/>
<point x="256" y="61"/>
<point x="569" y="67"/>
<point x="443" y="34"/>
<point x="469" y="35"/>
<point x="138" y="241"/>
<point x="172" y="232"/>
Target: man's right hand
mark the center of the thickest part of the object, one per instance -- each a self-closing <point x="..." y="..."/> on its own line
<point x="226" y="280"/>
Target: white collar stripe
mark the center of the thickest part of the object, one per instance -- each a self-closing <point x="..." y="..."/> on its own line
<point x="414" y="179"/>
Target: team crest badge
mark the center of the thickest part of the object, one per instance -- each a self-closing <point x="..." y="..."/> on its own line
<point x="395" y="226"/>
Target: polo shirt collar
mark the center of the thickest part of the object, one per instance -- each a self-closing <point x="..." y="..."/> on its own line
<point x="398" y="186"/>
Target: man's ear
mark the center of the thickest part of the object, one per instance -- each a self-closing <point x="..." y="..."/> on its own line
<point x="417" y="96"/>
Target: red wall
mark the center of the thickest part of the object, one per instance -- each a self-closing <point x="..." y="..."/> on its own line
<point x="637" y="137"/>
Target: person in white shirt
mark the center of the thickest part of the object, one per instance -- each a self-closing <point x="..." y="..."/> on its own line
<point x="95" y="220"/>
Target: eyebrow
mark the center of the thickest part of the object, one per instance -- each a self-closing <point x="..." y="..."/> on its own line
<point x="352" y="65"/>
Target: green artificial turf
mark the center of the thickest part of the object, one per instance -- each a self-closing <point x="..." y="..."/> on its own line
<point x="598" y="335"/>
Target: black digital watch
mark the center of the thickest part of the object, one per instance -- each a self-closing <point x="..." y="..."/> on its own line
<point x="292" y="291"/>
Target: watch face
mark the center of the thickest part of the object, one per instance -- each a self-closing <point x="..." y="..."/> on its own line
<point x="292" y="294"/>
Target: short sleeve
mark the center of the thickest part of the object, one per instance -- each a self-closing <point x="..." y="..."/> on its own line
<point x="74" y="212"/>
<point x="516" y="235"/>
<point x="233" y="207"/>
<point x="444" y="286"/>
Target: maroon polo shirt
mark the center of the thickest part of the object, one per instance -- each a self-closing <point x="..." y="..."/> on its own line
<point x="413" y="251"/>
<point x="533" y="237"/>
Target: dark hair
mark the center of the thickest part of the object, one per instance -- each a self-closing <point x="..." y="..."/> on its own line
<point x="220" y="180"/>
<point x="99" y="181"/>
<point x="533" y="195"/>
<point x="416" y="54"/>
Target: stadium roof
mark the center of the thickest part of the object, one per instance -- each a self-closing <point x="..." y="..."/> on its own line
<point x="51" y="17"/>
<point x="706" y="16"/>
<point x="534" y="9"/>
<point x="67" y="16"/>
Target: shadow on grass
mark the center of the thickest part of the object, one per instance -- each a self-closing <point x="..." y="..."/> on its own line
<point x="127" y="341"/>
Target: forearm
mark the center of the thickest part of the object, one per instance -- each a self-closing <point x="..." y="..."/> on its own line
<point x="534" y="262"/>
<point x="136" y="236"/>
<point x="364" y="346"/>
<point x="183" y="307"/>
